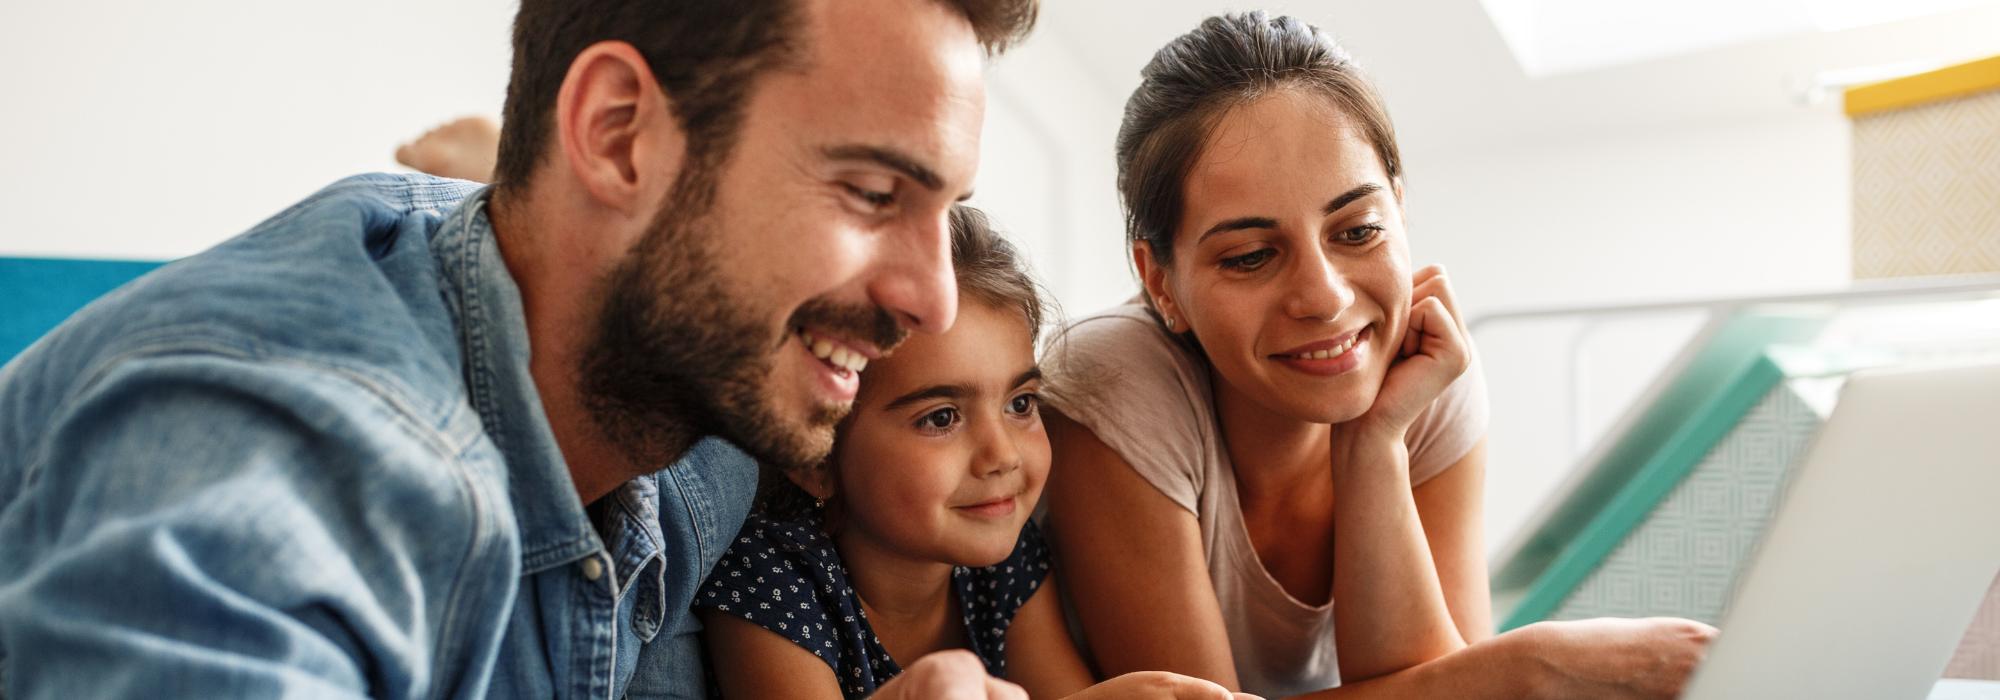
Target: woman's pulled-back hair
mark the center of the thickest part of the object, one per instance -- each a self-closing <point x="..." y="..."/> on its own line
<point x="1227" y="61"/>
<point x="989" y="270"/>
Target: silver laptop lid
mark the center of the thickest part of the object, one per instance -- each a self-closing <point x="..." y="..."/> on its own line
<point x="1887" y="540"/>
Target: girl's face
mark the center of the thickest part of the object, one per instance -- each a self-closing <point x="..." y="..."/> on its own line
<point x="944" y="456"/>
<point x="1291" y="265"/>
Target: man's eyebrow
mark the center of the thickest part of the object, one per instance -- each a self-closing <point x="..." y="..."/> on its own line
<point x="891" y="158"/>
<point x="935" y="391"/>
<point x="1348" y="197"/>
<point x="1334" y="205"/>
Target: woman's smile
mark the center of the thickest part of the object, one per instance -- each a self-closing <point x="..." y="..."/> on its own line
<point x="1328" y="358"/>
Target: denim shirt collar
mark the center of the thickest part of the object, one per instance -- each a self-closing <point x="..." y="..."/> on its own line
<point x="493" y="332"/>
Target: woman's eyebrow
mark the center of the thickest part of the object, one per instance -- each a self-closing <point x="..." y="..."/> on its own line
<point x="1348" y="197"/>
<point x="935" y="391"/>
<point x="1334" y="205"/>
<point x="1238" y="224"/>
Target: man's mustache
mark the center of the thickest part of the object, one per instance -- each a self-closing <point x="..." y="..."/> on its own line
<point x="868" y="323"/>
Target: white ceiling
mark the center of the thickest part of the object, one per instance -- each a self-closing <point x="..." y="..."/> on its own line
<point x="1453" y="85"/>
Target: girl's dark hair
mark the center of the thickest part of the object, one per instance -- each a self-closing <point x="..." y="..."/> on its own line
<point x="988" y="269"/>
<point x="1227" y="61"/>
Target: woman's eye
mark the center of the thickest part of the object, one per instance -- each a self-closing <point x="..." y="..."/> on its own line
<point x="872" y="197"/>
<point x="941" y="419"/>
<point x="1023" y="404"/>
<point x="1249" y="261"/>
<point x="1358" y="235"/>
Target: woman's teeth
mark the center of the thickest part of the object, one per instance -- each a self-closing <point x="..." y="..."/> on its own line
<point x="836" y="355"/>
<point x="1327" y="353"/>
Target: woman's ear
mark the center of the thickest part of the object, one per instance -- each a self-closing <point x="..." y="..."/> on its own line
<point x="1153" y="275"/>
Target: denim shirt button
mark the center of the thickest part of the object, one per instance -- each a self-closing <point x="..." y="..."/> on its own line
<point x="593" y="568"/>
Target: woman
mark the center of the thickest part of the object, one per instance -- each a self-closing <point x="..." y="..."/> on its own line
<point x="1288" y="417"/>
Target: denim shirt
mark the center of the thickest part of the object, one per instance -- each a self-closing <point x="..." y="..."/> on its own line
<point x="311" y="462"/>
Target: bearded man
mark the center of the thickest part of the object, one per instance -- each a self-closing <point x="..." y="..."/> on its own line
<point x="412" y="440"/>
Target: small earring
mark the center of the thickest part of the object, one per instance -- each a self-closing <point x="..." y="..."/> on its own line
<point x="819" y="503"/>
<point x="1170" y="323"/>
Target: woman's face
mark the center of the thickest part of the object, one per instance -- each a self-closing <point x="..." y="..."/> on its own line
<point x="1291" y="265"/>
<point x="945" y="456"/>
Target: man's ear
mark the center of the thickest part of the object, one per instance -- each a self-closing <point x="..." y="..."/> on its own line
<point x="1153" y="275"/>
<point x="617" y="130"/>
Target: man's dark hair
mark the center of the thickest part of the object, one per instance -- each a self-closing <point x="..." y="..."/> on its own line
<point x="707" y="54"/>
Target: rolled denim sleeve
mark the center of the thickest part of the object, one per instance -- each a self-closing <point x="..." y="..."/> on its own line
<point x="201" y="528"/>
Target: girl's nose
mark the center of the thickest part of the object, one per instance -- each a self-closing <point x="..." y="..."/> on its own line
<point x="999" y="450"/>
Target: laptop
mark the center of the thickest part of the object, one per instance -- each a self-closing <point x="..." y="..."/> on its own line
<point x="1885" y="544"/>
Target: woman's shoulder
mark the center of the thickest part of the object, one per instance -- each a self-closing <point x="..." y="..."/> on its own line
<point x="1142" y="392"/>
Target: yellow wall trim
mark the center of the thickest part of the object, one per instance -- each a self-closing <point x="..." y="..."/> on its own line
<point x="1953" y="81"/>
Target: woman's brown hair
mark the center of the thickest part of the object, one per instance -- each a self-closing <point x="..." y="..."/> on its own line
<point x="1191" y="82"/>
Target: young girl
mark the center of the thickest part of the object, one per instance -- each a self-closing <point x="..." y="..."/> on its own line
<point x="914" y="538"/>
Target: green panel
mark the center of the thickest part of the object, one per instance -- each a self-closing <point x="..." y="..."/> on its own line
<point x="1739" y="342"/>
<point x="1656" y="478"/>
<point x="40" y="293"/>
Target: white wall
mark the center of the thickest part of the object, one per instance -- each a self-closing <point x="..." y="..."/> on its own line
<point x="1749" y="206"/>
<point x="152" y="130"/>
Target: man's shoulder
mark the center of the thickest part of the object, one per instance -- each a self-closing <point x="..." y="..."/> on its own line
<point x="343" y="281"/>
<point x="332" y="308"/>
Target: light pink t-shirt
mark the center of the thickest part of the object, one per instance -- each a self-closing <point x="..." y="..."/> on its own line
<point x="1148" y="398"/>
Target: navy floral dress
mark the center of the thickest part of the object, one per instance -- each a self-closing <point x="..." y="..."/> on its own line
<point x="787" y="578"/>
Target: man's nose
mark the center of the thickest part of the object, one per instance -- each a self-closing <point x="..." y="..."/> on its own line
<point x="915" y="282"/>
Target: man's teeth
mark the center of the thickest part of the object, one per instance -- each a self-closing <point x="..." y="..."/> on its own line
<point x="1330" y="352"/>
<point x="835" y="355"/>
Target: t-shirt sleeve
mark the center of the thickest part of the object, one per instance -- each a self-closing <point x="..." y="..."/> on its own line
<point x="761" y="580"/>
<point x="1122" y="377"/>
<point x="1449" y="429"/>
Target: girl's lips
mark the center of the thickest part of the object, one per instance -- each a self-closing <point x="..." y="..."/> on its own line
<point x="995" y="508"/>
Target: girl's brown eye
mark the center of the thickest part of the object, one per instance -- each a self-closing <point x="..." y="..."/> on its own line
<point x="939" y="419"/>
<point x="1023" y="404"/>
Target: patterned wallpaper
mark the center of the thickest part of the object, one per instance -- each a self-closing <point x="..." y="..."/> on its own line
<point x="1927" y="189"/>
<point x="1683" y="561"/>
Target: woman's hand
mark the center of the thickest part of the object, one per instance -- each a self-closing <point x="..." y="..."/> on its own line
<point x="1611" y="658"/>
<point x="1432" y="352"/>
<point x="1158" y="685"/>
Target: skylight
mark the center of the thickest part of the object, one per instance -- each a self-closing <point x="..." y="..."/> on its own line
<point x="1552" y="37"/>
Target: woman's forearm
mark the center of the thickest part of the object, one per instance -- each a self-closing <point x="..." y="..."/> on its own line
<point x="1499" y="668"/>
<point x="1389" y="608"/>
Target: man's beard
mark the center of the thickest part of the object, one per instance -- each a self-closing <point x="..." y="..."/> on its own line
<point x="678" y="355"/>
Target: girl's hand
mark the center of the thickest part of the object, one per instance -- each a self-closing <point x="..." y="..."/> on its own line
<point x="948" y="675"/>
<point x="1159" y="685"/>
<point x="1432" y="352"/>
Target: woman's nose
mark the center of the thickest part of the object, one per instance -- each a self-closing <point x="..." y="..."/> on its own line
<point x="1317" y="290"/>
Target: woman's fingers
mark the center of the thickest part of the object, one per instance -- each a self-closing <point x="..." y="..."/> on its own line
<point x="1432" y="283"/>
